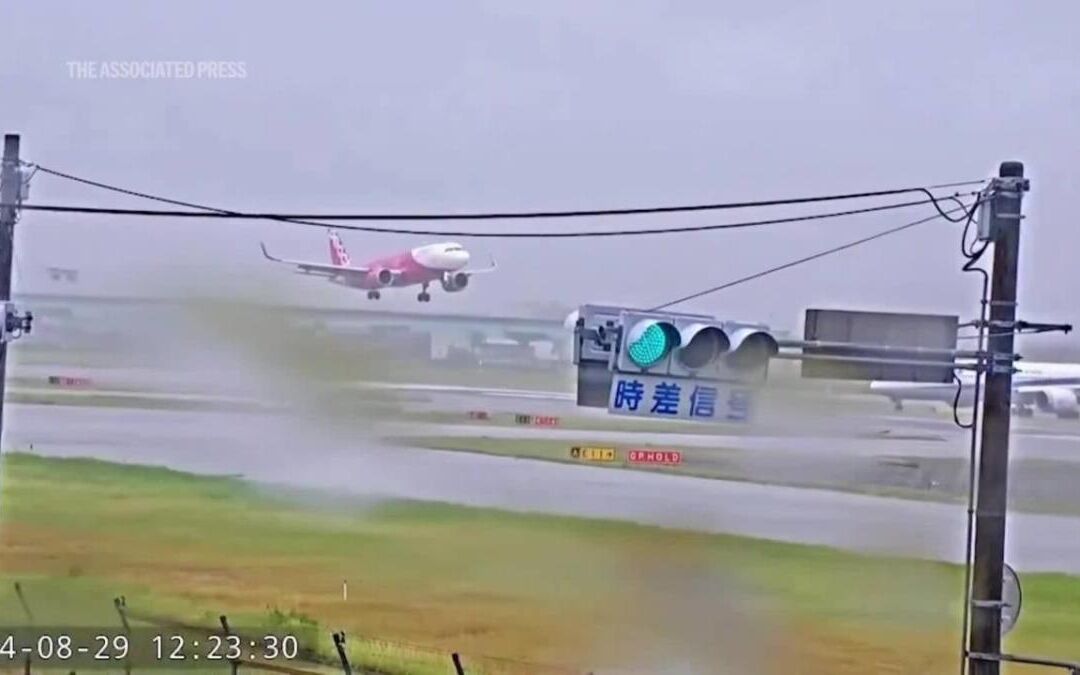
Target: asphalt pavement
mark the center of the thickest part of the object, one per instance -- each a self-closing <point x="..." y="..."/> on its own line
<point x="309" y="451"/>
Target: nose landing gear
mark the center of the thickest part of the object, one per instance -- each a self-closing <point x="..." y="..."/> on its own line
<point x="424" y="296"/>
<point x="373" y="295"/>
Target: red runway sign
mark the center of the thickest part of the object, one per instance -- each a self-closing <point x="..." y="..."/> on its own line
<point x="664" y="457"/>
<point x="65" y="381"/>
<point x="537" y="420"/>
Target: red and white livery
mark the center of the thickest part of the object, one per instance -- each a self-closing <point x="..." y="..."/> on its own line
<point x="444" y="263"/>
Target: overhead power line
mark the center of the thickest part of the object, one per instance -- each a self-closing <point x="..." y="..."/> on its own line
<point x="522" y="215"/>
<point x="86" y="210"/>
<point x="809" y="258"/>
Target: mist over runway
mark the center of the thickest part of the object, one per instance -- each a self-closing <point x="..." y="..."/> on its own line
<point x="291" y="450"/>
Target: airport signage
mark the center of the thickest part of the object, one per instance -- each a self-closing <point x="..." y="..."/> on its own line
<point x="679" y="398"/>
<point x="662" y="457"/>
<point x="885" y="346"/>
<point x="66" y="381"/>
<point x="592" y="453"/>
<point x="537" y="420"/>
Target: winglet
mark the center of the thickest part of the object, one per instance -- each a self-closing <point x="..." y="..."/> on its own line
<point x="266" y="253"/>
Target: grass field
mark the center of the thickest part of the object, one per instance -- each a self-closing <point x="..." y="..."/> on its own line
<point x="538" y="588"/>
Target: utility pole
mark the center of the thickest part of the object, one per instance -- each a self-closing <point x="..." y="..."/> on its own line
<point x="10" y="189"/>
<point x="1006" y="193"/>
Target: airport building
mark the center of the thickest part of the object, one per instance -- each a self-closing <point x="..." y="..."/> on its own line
<point x="74" y="322"/>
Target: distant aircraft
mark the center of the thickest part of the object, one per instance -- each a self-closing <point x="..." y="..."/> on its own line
<point x="63" y="274"/>
<point x="423" y="265"/>
<point x="1049" y="387"/>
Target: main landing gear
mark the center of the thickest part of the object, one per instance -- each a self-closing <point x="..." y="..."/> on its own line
<point x="373" y="295"/>
<point x="424" y="296"/>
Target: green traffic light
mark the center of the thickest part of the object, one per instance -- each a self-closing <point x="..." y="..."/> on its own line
<point x="651" y="345"/>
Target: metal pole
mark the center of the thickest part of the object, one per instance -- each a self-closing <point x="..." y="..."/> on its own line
<point x="1071" y="666"/>
<point x="224" y="621"/>
<point x="885" y="349"/>
<point x="339" y="644"/>
<point x="10" y="187"/>
<point x="885" y="361"/>
<point x="120" y="603"/>
<point x="989" y="559"/>
<point x="23" y="602"/>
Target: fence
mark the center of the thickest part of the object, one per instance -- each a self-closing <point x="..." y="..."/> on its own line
<point x="144" y="640"/>
<point x="1072" y="667"/>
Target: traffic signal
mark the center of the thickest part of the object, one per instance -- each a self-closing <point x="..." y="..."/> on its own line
<point x="649" y="342"/>
<point x="751" y="348"/>
<point x="701" y="344"/>
<point x="692" y="346"/>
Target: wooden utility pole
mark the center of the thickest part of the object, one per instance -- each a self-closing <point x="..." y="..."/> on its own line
<point x="1006" y="194"/>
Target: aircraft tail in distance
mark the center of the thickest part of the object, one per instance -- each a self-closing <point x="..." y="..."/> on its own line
<point x="338" y="255"/>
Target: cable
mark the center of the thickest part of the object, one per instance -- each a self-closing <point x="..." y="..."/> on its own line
<point x="973" y="256"/>
<point x="946" y="214"/>
<point x="988" y="335"/>
<point x="800" y="261"/>
<point x="956" y="403"/>
<point x="521" y="215"/>
<point x="469" y="233"/>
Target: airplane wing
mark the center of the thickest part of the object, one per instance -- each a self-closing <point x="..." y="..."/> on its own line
<point x="1032" y="390"/>
<point x="1058" y="398"/>
<point x="482" y="270"/>
<point x="324" y="269"/>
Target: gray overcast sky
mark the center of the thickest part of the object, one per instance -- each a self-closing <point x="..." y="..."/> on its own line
<point x="554" y="104"/>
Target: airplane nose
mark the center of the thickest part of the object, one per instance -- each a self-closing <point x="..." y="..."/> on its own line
<point x="460" y="258"/>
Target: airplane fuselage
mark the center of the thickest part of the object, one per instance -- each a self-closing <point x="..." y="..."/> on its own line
<point x="407" y="271"/>
<point x="1051" y="387"/>
<point x="420" y="265"/>
<point x="445" y="263"/>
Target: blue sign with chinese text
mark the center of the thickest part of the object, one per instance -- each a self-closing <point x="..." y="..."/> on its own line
<point x="678" y="398"/>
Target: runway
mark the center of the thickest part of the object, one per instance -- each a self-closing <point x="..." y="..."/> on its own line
<point x="336" y="455"/>
<point x="869" y="442"/>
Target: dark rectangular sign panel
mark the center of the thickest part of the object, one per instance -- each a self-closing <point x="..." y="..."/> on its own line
<point x="904" y="334"/>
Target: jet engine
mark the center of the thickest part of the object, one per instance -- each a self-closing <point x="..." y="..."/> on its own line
<point x="384" y="276"/>
<point x="452" y="282"/>
<point x="1060" y="401"/>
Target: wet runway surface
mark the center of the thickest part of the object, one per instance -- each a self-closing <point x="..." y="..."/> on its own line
<point x="312" y="452"/>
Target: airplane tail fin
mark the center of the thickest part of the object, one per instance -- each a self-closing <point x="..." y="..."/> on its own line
<point x="338" y="255"/>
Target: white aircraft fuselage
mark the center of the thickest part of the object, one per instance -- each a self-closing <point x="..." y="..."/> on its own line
<point x="1049" y="387"/>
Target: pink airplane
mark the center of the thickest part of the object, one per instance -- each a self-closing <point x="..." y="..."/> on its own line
<point x="421" y="265"/>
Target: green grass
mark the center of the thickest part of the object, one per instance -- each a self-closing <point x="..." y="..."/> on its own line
<point x="107" y="400"/>
<point x="483" y="582"/>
